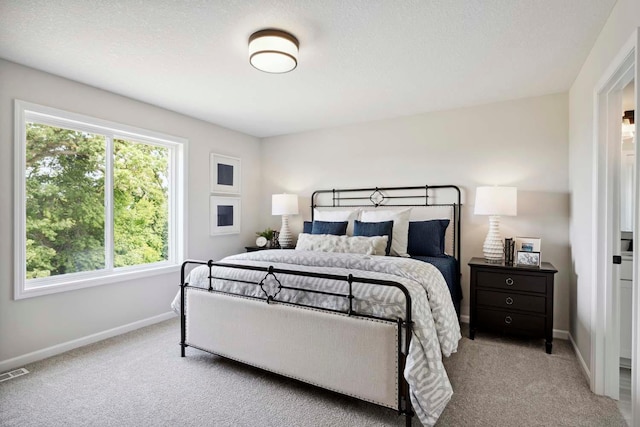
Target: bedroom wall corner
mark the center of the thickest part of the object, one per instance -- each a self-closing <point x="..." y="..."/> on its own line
<point x="57" y="321"/>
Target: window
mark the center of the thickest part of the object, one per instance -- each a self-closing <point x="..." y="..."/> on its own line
<point x="96" y="202"/>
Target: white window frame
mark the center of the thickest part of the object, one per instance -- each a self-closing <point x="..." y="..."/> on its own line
<point x="26" y="288"/>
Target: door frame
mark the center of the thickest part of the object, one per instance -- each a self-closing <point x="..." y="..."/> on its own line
<point x="605" y="319"/>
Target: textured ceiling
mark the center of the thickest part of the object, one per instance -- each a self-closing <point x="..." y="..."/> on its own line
<point x="359" y="59"/>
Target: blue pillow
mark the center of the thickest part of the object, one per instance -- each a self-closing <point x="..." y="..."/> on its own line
<point x="384" y="228"/>
<point x="426" y="238"/>
<point x="327" y="227"/>
<point x="307" y="226"/>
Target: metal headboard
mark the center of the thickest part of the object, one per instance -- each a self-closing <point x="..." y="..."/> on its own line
<point x="426" y="195"/>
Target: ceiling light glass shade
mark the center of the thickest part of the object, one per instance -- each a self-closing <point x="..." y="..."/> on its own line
<point x="273" y="51"/>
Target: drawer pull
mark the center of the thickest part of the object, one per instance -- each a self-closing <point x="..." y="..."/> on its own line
<point x="508" y="320"/>
<point x="509" y="281"/>
<point x="509" y="300"/>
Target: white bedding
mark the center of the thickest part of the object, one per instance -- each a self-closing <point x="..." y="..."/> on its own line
<point x="435" y="332"/>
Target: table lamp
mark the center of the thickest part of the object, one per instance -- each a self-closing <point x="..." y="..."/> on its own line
<point x="285" y="205"/>
<point x="495" y="201"/>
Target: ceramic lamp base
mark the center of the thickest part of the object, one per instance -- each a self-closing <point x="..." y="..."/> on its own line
<point x="285" y="237"/>
<point x="493" y="248"/>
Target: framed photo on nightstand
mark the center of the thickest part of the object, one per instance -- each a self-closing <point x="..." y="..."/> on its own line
<point x="528" y="244"/>
<point x="528" y="259"/>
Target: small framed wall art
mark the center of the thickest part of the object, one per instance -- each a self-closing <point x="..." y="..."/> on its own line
<point x="224" y="215"/>
<point x="225" y="174"/>
<point x="528" y="259"/>
<point x="528" y="244"/>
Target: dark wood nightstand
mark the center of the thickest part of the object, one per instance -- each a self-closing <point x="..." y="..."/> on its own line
<point x="258" y="248"/>
<point x="255" y="248"/>
<point x="511" y="299"/>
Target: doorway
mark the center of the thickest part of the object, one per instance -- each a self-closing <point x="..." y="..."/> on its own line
<point x="625" y="284"/>
<point x="606" y="338"/>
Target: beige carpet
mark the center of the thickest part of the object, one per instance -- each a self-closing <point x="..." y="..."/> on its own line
<point x="139" y="379"/>
<point x="500" y="381"/>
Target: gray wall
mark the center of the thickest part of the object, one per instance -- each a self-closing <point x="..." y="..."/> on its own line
<point x="523" y="143"/>
<point x="34" y="324"/>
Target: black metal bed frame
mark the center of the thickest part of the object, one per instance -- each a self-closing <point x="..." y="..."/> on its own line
<point x="406" y="324"/>
<point x="379" y="197"/>
<point x="417" y="196"/>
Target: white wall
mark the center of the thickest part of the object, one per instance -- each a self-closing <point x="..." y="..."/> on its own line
<point x="624" y="19"/>
<point x="34" y="324"/>
<point x="522" y="143"/>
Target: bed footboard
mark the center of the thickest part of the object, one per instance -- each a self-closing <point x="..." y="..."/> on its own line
<point x="357" y="355"/>
<point x="353" y="356"/>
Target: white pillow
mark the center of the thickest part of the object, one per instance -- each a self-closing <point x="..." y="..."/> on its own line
<point x="400" y="233"/>
<point x="374" y="245"/>
<point x="337" y="216"/>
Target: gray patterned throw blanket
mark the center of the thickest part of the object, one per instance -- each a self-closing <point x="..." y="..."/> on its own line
<point x="436" y="331"/>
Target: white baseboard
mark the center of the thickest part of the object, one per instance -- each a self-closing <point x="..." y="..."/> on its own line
<point x="557" y="333"/>
<point x="19" y="361"/>
<point x="583" y="365"/>
<point x="561" y="334"/>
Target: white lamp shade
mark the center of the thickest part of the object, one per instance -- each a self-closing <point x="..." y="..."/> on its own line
<point x="273" y="51"/>
<point x="284" y="204"/>
<point x="496" y="201"/>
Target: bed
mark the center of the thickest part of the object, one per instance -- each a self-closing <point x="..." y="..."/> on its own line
<point x="427" y="203"/>
<point x="366" y="325"/>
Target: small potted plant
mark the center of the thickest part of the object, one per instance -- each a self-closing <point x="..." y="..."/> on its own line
<point x="269" y="235"/>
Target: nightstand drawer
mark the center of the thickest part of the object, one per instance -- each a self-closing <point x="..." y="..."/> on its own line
<point x="506" y="321"/>
<point x="511" y="301"/>
<point x="512" y="281"/>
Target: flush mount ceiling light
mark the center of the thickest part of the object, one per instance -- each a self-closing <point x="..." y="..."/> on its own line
<point x="273" y="51"/>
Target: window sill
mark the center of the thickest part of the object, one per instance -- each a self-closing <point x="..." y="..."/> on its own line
<point x="22" y="292"/>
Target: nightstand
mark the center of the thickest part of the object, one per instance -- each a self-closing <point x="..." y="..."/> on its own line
<point x="512" y="299"/>
<point x="255" y="248"/>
